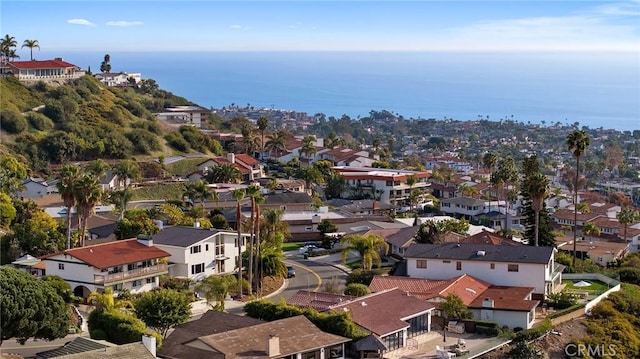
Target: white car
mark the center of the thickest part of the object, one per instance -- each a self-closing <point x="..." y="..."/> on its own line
<point x="307" y="248"/>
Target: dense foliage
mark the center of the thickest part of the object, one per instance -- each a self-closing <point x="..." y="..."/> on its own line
<point x="163" y="309"/>
<point x="30" y="308"/>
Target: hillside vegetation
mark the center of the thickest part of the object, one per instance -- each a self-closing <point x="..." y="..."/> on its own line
<point x="84" y="120"/>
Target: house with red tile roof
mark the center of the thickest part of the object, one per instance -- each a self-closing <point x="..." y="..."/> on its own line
<point x="506" y="305"/>
<point x="250" y="168"/>
<point x="35" y="70"/>
<point x="319" y="301"/>
<point x="133" y="264"/>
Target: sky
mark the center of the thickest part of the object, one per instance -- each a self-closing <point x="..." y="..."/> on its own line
<point x="474" y="25"/>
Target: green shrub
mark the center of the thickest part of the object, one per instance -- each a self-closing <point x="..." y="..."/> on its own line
<point x="533" y="333"/>
<point x="118" y="326"/>
<point x="39" y="121"/>
<point x="564" y="311"/>
<point x="488" y="331"/>
<point x="562" y="300"/>
<point x="630" y="275"/>
<point x="486" y="324"/>
<point x="12" y="121"/>
<point x="357" y="290"/>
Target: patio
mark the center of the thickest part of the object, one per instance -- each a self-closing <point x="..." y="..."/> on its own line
<point x="425" y="346"/>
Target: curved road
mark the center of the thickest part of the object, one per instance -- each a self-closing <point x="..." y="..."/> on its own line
<point x="311" y="275"/>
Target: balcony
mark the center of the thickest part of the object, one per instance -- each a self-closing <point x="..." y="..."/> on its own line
<point x="106" y="279"/>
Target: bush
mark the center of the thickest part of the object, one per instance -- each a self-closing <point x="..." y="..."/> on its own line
<point x="562" y="300"/>
<point x="486" y="324"/>
<point x="12" y="121"/>
<point x="119" y="327"/>
<point x="357" y="290"/>
<point x="488" y="331"/>
<point x="533" y="333"/>
<point x="564" y="311"/>
<point x="630" y="275"/>
<point x="39" y="121"/>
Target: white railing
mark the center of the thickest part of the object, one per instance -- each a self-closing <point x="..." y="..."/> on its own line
<point x="104" y="279"/>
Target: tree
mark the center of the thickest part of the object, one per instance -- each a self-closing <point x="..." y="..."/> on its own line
<point x="368" y="247"/>
<point x="325" y="227"/>
<point x="125" y="172"/>
<point x="88" y="194"/>
<point x="627" y="216"/>
<point x="7" y="210"/>
<point x="537" y="187"/>
<point x="254" y="193"/>
<point x="106" y="301"/>
<point x="68" y="189"/>
<point x="271" y="226"/>
<point x="30" y="308"/>
<point x="308" y="147"/>
<point x="7" y="44"/>
<point x="411" y="181"/>
<point x="357" y="290"/>
<point x="577" y="143"/>
<point x="590" y="229"/>
<point x="105" y="66"/>
<point x="223" y="173"/>
<point x="454" y="308"/>
<point x="433" y="231"/>
<point x="200" y="190"/>
<point x="278" y="142"/>
<point x="162" y="309"/>
<point x="31" y="44"/>
<point x="310" y="175"/>
<point x="36" y="234"/>
<point x="238" y="195"/>
<point x="131" y="227"/>
<point x="489" y="161"/>
<point x="263" y="123"/>
<point x="12" y="174"/>
<point x="62" y="287"/>
<point x="216" y="289"/>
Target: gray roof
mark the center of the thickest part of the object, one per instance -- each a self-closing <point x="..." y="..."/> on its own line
<point x="77" y="345"/>
<point x="182" y="236"/>
<point x="492" y="253"/>
<point x="403" y="237"/>
<point x="288" y="197"/>
<point x="126" y="351"/>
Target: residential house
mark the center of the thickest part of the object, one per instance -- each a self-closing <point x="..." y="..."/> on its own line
<point x="510" y="306"/>
<point x="388" y="185"/>
<point x="603" y="253"/>
<point x="486" y="237"/>
<point x="499" y="265"/>
<point x="288" y="201"/>
<point x="35" y="187"/>
<point x="401" y="240"/>
<point x="132" y="264"/>
<point x="343" y="156"/>
<point x="86" y="348"/>
<point x="110" y="181"/>
<point x="456" y="164"/>
<point x="392" y="315"/>
<point x="35" y="70"/>
<point x="197" y="253"/>
<point x="249" y="167"/>
<point x="118" y="78"/>
<point x="462" y="207"/>
<point x="292" y="338"/>
<point x="184" y="115"/>
<point x="319" y="301"/>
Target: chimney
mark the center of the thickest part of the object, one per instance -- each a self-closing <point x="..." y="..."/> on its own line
<point x="487" y="303"/>
<point x="145" y="239"/>
<point x="149" y="342"/>
<point x="231" y="157"/>
<point x="273" y="346"/>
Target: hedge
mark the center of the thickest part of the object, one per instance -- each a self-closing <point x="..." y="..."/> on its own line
<point x="533" y="333"/>
<point x="489" y="331"/>
<point x="566" y="311"/>
<point x="486" y="324"/>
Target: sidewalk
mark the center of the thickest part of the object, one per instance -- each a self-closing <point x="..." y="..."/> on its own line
<point x="335" y="260"/>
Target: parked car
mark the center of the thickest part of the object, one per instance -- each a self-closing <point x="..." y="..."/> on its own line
<point x="307" y="248"/>
<point x="291" y="272"/>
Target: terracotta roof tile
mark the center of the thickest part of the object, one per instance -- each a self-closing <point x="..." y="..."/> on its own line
<point x="246" y="159"/>
<point x="45" y="64"/>
<point x="317" y="300"/>
<point x="114" y="253"/>
<point x="420" y="288"/>
<point x="507" y="298"/>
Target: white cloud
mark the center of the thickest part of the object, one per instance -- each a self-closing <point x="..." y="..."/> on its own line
<point x="124" y="23"/>
<point x="236" y="27"/>
<point x="297" y="25"/>
<point x="80" y="22"/>
<point x="631" y="8"/>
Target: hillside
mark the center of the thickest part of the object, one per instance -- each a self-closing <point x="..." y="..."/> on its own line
<point x="84" y="120"/>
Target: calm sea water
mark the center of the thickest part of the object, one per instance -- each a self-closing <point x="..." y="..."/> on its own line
<point x="596" y="90"/>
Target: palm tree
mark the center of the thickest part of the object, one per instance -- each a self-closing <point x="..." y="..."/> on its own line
<point x="6" y="45"/>
<point x="200" y="190"/>
<point x="67" y="187"/>
<point x="216" y="288"/>
<point x="253" y="192"/>
<point x="368" y="246"/>
<point x="238" y="195"/>
<point x="311" y="175"/>
<point x="411" y="181"/>
<point x="97" y="168"/>
<point x="271" y="226"/>
<point x="577" y="142"/>
<point x="89" y="193"/>
<point x="590" y="229"/>
<point x="278" y="142"/>
<point x="120" y="199"/>
<point x="31" y="44"/>
<point x="106" y="301"/>
<point x="126" y="171"/>
<point x="308" y="147"/>
<point x="224" y="173"/>
<point x="627" y="216"/>
<point x="537" y="187"/>
<point x="263" y="123"/>
<point x="489" y="161"/>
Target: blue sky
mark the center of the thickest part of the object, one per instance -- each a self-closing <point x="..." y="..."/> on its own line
<point x="572" y="25"/>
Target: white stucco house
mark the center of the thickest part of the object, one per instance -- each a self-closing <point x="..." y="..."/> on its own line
<point x="132" y="264"/>
<point x="517" y="266"/>
<point x="197" y="253"/>
<point x="34" y="187"/>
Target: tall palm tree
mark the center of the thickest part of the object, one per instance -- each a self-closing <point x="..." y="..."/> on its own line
<point x="253" y="192"/>
<point x="368" y="246"/>
<point x="97" y="168"/>
<point x="89" y="193"/>
<point x="308" y="147"/>
<point x="271" y="226"/>
<point x="489" y="160"/>
<point x="67" y="187"/>
<point x="31" y="44"/>
<point x="411" y="181"/>
<point x="238" y="195"/>
<point x="577" y="142"/>
<point x="126" y="171"/>
<point x="278" y="142"/>
<point x="199" y="190"/>
<point x="216" y="288"/>
<point x="627" y="216"/>
<point x="7" y="44"/>
<point x="537" y="187"/>
<point x="263" y="123"/>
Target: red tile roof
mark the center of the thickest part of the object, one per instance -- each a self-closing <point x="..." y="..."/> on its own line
<point x="246" y="159"/>
<point x="317" y="300"/>
<point x="114" y="253"/>
<point x="46" y="64"/>
<point x="466" y="287"/>
<point x="489" y="238"/>
<point x="423" y="289"/>
<point x="507" y="298"/>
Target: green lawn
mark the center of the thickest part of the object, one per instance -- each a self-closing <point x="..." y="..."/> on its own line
<point x="159" y="191"/>
<point x="291" y="246"/>
<point x="595" y="287"/>
<point x="185" y="166"/>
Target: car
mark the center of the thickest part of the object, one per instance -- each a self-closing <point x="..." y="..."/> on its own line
<point x="307" y="248"/>
<point x="291" y="272"/>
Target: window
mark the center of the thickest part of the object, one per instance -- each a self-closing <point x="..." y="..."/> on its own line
<point x="315" y="354"/>
<point x="136" y="283"/>
<point x="512" y="268"/>
<point x="421" y="263"/>
<point x="493" y="266"/>
<point x="336" y="351"/>
<point x="458" y="265"/>
<point x="132" y="266"/>
<point x="61" y="266"/>
<point x="151" y="280"/>
<point x="446" y="261"/>
<point x="389" y="183"/>
<point x="206" y="247"/>
<point x="195" y="249"/>
<point x="197" y="268"/>
<point x="117" y="287"/>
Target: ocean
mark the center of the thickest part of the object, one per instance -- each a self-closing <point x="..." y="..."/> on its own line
<point x="593" y="89"/>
